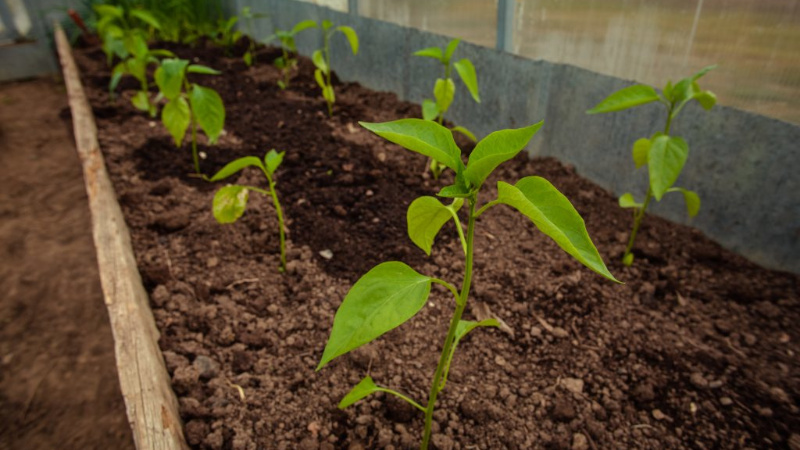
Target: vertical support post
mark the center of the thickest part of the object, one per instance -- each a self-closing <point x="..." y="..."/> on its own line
<point x="8" y="22"/>
<point x="505" y="25"/>
<point x="352" y="7"/>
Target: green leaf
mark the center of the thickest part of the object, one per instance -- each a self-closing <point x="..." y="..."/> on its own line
<point x="304" y="25"/>
<point x="248" y="58"/>
<point x="626" y="98"/>
<point x="351" y="36"/>
<point x="320" y="80"/>
<point x="146" y="17"/>
<point x="235" y="166"/>
<point x="707" y="99"/>
<point x="364" y="388"/>
<point x="109" y="10"/>
<point x="383" y="299"/>
<point x="116" y="77"/>
<point x="169" y="77"/>
<point x="554" y="216"/>
<point x="421" y="136"/>
<point x="641" y="148"/>
<point x="197" y="68"/>
<point x="667" y="156"/>
<point x="326" y="24"/>
<point x="451" y="48"/>
<point x="425" y="217"/>
<point x="136" y="45"/>
<point x="465" y="132"/>
<point x="141" y="101"/>
<point x="627" y="260"/>
<point x="444" y="91"/>
<point x="176" y="118"/>
<point x="328" y="94"/>
<point x="208" y="110"/>
<point x="702" y="72"/>
<point x="467" y="73"/>
<point x="430" y="52"/>
<point x="454" y="191"/>
<point x="668" y="91"/>
<point x="626" y="200"/>
<point x="319" y="61"/>
<point x="273" y="160"/>
<point x="429" y="110"/>
<point x="230" y="203"/>
<point x="691" y="198"/>
<point x="495" y="149"/>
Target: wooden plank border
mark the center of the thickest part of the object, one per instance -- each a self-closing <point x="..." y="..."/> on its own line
<point x="149" y="400"/>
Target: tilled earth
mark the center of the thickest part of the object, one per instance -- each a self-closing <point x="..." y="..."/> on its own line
<point x="698" y="349"/>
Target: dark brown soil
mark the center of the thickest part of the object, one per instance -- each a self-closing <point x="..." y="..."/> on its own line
<point x="58" y="380"/>
<point x="697" y="350"/>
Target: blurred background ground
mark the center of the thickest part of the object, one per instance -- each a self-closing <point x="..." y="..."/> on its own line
<point x="58" y="379"/>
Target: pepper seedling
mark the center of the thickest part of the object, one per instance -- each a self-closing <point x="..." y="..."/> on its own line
<point x="140" y="57"/>
<point x="322" y="59"/>
<point x="249" y="16"/>
<point x="392" y="292"/>
<point x="230" y="201"/>
<point x="189" y="104"/>
<point x="118" y="26"/>
<point x="288" y="61"/>
<point x="225" y="35"/>
<point x="444" y="90"/>
<point x="663" y="154"/>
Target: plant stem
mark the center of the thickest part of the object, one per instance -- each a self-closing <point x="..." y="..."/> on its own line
<point x="195" y="155"/>
<point x="279" y="212"/>
<point x="637" y="221"/>
<point x="328" y="72"/>
<point x="442" y="367"/>
<point x="412" y="402"/>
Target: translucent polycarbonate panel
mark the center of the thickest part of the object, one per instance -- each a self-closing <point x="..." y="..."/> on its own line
<point x="22" y="22"/>
<point x="755" y="42"/>
<point x="470" y="20"/>
<point x="338" y="5"/>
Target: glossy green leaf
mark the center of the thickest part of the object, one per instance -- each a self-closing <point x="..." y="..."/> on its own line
<point x="641" y="148"/>
<point x="146" y="17"/>
<point x="176" y="118"/>
<point x="667" y="156"/>
<point x="364" y="388"/>
<point x="273" y="160"/>
<point x="141" y="101"/>
<point x="383" y="299"/>
<point x="451" y="48"/>
<point x="429" y="110"/>
<point x="197" y="68"/>
<point x="208" y="110"/>
<point x="169" y="77"/>
<point x="691" y="198"/>
<point x="444" y="91"/>
<point x="351" y="36"/>
<point x="421" y="136"/>
<point x="467" y="73"/>
<point x="454" y="191"/>
<point x="318" y="77"/>
<point x="626" y="200"/>
<point x="236" y="165"/>
<point x="136" y="45"/>
<point x="319" y="61"/>
<point x="495" y="149"/>
<point x="425" y="217"/>
<point x="304" y="25"/>
<point x="430" y="52"/>
<point x="707" y="99"/>
<point x="328" y="94"/>
<point x="229" y="203"/>
<point x="554" y="216"/>
<point x="626" y="98"/>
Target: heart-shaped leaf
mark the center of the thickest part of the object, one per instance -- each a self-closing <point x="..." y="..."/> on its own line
<point x="208" y="109"/>
<point x="425" y="217"/>
<point x="626" y="200"/>
<point x="667" y="156"/>
<point x="229" y="203"/>
<point x="169" y="77"/>
<point x="641" y="149"/>
<point x="176" y="118"/>
<point x="444" y="91"/>
<point x="429" y="110"/>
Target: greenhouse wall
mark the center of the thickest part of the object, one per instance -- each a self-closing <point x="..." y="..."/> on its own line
<point x="743" y="165"/>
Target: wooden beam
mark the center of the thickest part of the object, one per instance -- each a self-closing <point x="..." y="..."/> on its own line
<point x="150" y="403"/>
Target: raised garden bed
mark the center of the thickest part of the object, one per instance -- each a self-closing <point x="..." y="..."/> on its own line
<point x="697" y="350"/>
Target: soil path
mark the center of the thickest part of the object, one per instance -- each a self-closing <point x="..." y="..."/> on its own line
<point x="58" y="381"/>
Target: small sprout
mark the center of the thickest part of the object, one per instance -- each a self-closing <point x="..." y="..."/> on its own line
<point x="140" y="57"/>
<point x="225" y="35"/>
<point x="189" y="104"/>
<point x="288" y="61"/>
<point x="322" y="59"/>
<point x="249" y="16"/>
<point x="230" y="201"/>
<point x="663" y="154"/>
<point x="119" y="26"/>
<point x="444" y="90"/>
<point x="392" y="292"/>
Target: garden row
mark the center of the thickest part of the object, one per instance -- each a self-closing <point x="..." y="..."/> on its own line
<point x="577" y="361"/>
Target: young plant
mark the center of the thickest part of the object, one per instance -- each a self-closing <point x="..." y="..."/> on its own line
<point x="225" y="36"/>
<point x="444" y="90"/>
<point x="249" y="16"/>
<point x="663" y="154"/>
<point x="189" y="104"/>
<point x="288" y="61"/>
<point x="231" y="200"/>
<point x="140" y="57"/>
<point x="118" y="27"/>
<point x="322" y="59"/>
<point x="392" y="292"/>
